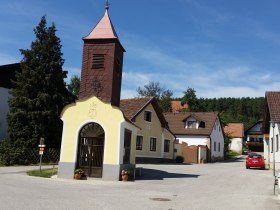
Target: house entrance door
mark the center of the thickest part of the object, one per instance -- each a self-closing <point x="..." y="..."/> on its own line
<point x="91" y="150"/>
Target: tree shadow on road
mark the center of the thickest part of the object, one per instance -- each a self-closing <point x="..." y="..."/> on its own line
<point x="152" y="174"/>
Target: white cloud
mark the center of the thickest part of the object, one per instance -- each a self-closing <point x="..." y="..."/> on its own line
<point x="125" y="93"/>
<point x="226" y="78"/>
<point x="7" y="59"/>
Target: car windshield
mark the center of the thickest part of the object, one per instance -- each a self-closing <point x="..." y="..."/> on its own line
<point x="254" y="156"/>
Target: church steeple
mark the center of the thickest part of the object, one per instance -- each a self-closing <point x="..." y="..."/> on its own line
<point x="102" y="62"/>
<point x="104" y="28"/>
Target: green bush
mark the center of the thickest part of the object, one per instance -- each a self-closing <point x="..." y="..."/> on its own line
<point x="179" y="159"/>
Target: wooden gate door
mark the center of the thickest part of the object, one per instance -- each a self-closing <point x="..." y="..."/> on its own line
<point x="91" y="150"/>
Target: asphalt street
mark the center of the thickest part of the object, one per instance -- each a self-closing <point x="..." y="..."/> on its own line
<point x="217" y="186"/>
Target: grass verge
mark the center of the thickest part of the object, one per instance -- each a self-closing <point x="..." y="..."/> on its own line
<point x="46" y="173"/>
<point x="231" y="154"/>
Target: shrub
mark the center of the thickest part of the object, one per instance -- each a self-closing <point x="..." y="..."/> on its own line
<point x="179" y="159"/>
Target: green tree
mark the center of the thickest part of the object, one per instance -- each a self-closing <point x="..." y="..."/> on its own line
<point x="191" y="99"/>
<point x="154" y="89"/>
<point x="74" y="86"/>
<point x="38" y="96"/>
<point x="164" y="101"/>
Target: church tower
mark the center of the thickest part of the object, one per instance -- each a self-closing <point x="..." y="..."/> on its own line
<point x="102" y="63"/>
<point x="97" y="137"/>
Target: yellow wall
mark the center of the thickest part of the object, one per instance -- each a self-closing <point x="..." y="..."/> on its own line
<point x="169" y="136"/>
<point x="76" y="115"/>
<point x="152" y="129"/>
<point x="178" y="147"/>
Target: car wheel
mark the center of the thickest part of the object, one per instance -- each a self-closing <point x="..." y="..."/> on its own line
<point x="247" y="167"/>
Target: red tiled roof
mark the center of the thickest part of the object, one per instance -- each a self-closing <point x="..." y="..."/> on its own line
<point x="273" y="101"/>
<point x="176" y="106"/>
<point x="177" y="125"/>
<point x="235" y="129"/>
<point x="132" y="107"/>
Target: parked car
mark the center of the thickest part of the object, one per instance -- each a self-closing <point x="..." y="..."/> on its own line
<point x="255" y="160"/>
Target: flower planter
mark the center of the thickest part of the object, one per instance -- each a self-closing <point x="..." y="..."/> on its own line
<point x="125" y="178"/>
<point x="77" y="176"/>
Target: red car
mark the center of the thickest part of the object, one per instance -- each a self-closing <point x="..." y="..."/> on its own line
<point x="255" y="160"/>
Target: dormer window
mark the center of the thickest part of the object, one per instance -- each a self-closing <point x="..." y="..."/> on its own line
<point x="191" y="124"/>
<point x="148" y="116"/>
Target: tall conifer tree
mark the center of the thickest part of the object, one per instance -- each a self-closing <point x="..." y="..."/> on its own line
<point x="39" y="93"/>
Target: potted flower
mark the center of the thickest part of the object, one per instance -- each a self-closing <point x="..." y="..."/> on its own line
<point x="126" y="173"/>
<point x="79" y="174"/>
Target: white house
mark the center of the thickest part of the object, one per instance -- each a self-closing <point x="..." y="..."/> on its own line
<point x="254" y="137"/>
<point x="7" y="73"/>
<point x="200" y="129"/>
<point x="236" y="131"/>
<point x="271" y="126"/>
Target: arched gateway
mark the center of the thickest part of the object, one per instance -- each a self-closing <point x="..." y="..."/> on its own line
<point x="91" y="150"/>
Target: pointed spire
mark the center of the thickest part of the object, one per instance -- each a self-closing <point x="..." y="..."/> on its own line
<point x="104" y="28"/>
<point x="107" y="5"/>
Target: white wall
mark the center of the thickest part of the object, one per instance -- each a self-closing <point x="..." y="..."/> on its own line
<point x="277" y="150"/>
<point x="266" y="150"/>
<point x="4" y="108"/>
<point x="193" y="140"/>
<point x="236" y="145"/>
<point x="218" y="137"/>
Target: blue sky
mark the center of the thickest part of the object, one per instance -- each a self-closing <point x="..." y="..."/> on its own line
<point x="220" y="48"/>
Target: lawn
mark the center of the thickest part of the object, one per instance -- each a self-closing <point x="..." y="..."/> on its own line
<point x="46" y="173"/>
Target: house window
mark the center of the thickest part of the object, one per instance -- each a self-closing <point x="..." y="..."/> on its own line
<point x="271" y="145"/>
<point x="191" y="124"/>
<point x="214" y="146"/>
<point x="153" y="144"/>
<point x="139" y="142"/>
<point x="219" y="147"/>
<point x="277" y="143"/>
<point x="201" y="124"/>
<point x="98" y="61"/>
<point x="148" y="116"/>
<point x="166" y="145"/>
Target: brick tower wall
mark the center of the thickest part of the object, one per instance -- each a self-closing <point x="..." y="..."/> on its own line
<point x="103" y="82"/>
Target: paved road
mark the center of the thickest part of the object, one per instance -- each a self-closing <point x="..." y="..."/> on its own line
<point x="219" y="186"/>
